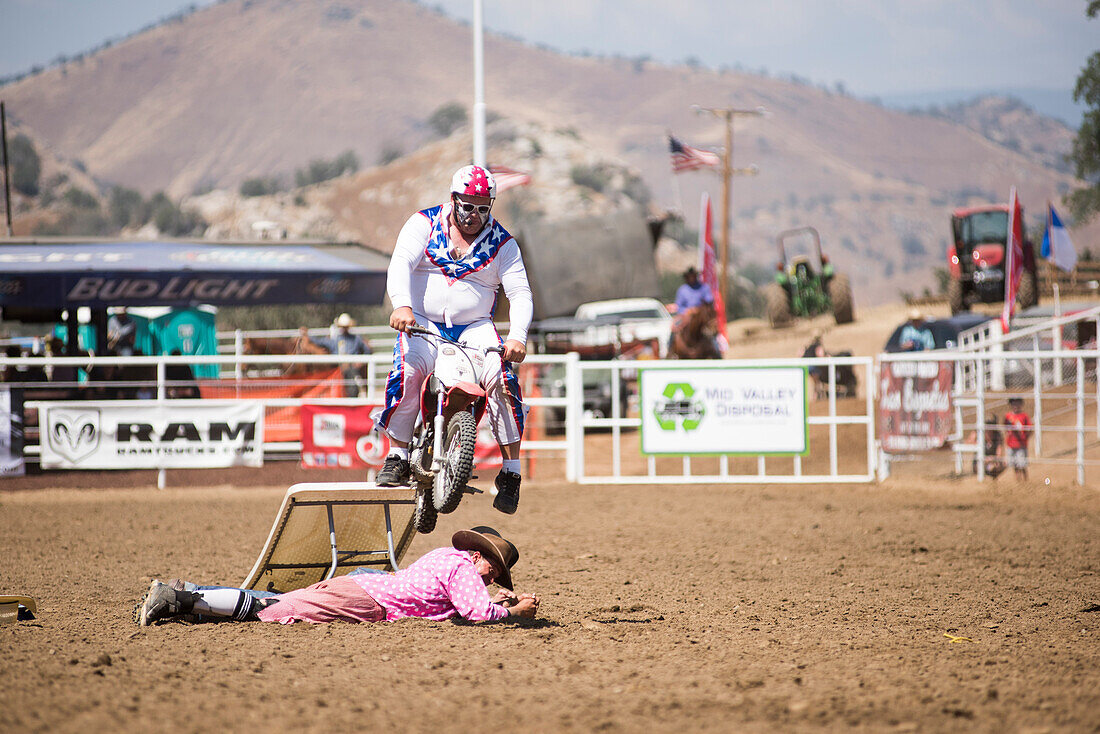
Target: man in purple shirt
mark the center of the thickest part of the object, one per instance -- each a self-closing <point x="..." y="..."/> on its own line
<point x="693" y="292"/>
<point x="444" y="583"/>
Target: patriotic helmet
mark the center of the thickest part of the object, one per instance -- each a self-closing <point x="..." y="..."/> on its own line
<point x="474" y="181"/>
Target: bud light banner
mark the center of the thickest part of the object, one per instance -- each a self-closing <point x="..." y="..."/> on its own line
<point x="144" y="434"/>
<point x="914" y="408"/>
<point x="341" y="437"/>
<point x="723" y="410"/>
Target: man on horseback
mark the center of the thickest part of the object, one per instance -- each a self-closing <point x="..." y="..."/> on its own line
<point x="693" y="293"/>
<point x="447" y="265"/>
<point x="693" y="337"/>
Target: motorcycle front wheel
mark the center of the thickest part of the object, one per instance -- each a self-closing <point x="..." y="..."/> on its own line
<point x="458" y="462"/>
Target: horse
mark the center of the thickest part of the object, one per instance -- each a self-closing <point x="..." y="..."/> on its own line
<point x="693" y="334"/>
<point x="285" y="345"/>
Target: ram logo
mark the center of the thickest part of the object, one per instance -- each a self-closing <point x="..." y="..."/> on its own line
<point x="73" y="433"/>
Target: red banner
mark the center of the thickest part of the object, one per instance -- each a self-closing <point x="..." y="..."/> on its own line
<point x="341" y="437"/>
<point x="914" y="409"/>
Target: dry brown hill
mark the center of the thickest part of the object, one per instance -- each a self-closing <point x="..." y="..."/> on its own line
<point x="247" y="88"/>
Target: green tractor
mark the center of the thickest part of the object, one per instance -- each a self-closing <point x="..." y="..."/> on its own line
<point x="804" y="287"/>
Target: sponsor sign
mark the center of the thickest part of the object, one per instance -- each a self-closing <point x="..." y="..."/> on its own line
<point x="341" y="437"/>
<point x="345" y="437"/>
<point x="141" y="434"/>
<point x="11" y="432"/>
<point x="724" y="410"/>
<point x="914" y="408"/>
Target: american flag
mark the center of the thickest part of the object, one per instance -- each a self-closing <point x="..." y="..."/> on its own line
<point x="506" y="177"/>
<point x="686" y="158"/>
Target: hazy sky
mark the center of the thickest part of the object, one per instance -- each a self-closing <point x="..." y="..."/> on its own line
<point x="872" y="46"/>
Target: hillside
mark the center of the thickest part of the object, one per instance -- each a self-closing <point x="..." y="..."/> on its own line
<point x="249" y="88"/>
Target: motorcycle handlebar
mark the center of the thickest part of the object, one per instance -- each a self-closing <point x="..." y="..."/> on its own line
<point x="421" y="331"/>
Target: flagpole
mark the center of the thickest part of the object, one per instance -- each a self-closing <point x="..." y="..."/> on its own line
<point x="1048" y="236"/>
<point x="479" y="86"/>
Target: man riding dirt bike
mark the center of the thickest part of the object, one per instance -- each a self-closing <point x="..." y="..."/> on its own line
<point x="446" y="267"/>
<point x="452" y="402"/>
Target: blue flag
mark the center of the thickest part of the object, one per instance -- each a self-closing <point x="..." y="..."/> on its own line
<point x="1057" y="246"/>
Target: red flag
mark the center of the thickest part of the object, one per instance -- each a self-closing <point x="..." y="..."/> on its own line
<point x="686" y="158"/>
<point x="709" y="269"/>
<point x="507" y="178"/>
<point x="1014" y="258"/>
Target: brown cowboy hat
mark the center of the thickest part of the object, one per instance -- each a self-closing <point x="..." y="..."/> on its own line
<point x="488" y="543"/>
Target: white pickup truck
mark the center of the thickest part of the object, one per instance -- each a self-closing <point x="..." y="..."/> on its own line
<point x="623" y="327"/>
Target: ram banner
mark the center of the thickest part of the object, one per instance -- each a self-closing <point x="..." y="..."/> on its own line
<point x="723" y="410"/>
<point x="142" y="434"/>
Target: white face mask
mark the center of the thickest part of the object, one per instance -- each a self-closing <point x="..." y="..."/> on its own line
<point x="470" y="215"/>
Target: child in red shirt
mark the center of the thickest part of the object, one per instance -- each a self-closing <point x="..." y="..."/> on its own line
<point x="1017" y="433"/>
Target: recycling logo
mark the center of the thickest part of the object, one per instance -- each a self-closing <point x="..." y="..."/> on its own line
<point x="678" y="406"/>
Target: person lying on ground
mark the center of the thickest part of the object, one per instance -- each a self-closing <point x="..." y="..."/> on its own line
<point x="445" y="583"/>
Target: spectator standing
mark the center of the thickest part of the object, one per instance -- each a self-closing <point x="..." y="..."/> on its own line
<point x="344" y="342"/>
<point x="1018" y="429"/>
<point x="121" y="333"/>
<point x="915" y="335"/>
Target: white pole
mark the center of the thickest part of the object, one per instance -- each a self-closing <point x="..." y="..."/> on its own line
<point x="479" y="86"/>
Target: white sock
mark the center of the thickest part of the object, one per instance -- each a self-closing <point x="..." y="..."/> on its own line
<point x="401" y="453"/>
<point x="224" y="603"/>
<point x="511" y="465"/>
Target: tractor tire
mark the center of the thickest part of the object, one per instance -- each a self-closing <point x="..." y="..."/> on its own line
<point x="955" y="296"/>
<point x="840" y="293"/>
<point x="778" y="305"/>
<point x="1028" y="295"/>
<point x="458" y="462"/>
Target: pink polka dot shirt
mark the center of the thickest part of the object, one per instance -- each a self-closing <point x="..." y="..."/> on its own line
<point x="439" y="585"/>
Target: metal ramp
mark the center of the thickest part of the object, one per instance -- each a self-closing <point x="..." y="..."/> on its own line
<point x="327" y="529"/>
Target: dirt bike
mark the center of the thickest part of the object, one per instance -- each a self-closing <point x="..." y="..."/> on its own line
<point x="452" y="402"/>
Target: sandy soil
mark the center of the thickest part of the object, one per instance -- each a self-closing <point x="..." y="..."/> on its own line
<point x="683" y="609"/>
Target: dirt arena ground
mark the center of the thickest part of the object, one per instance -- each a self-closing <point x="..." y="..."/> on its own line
<point x="674" y="609"/>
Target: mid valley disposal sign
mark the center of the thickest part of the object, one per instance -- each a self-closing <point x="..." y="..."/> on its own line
<point x="724" y="410"/>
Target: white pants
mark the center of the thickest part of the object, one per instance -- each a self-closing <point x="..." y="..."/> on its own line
<point x="414" y="359"/>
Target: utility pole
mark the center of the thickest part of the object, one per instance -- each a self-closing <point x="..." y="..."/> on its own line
<point x="7" y="167"/>
<point x="728" y="171"/>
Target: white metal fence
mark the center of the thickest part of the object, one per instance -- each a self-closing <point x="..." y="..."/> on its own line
<point x="1060" y="393"/>
<point x="586" y="413"/>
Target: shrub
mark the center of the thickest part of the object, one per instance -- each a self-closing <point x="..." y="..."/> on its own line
<point x="78" y="198"/>
<point x="320" y="169"/>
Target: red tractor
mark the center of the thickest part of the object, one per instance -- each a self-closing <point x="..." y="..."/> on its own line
<point x="977" y="258"/>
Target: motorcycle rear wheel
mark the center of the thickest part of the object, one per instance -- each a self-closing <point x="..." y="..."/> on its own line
<point x="458" y="462"/>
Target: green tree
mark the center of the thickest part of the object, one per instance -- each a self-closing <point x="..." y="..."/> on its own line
<point x="126" y="208"/>
<point x="171" y="220"/>
<point x="1084" y="203"/>
<point x="25" y="165"/>
<point x="447" y="118"/>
